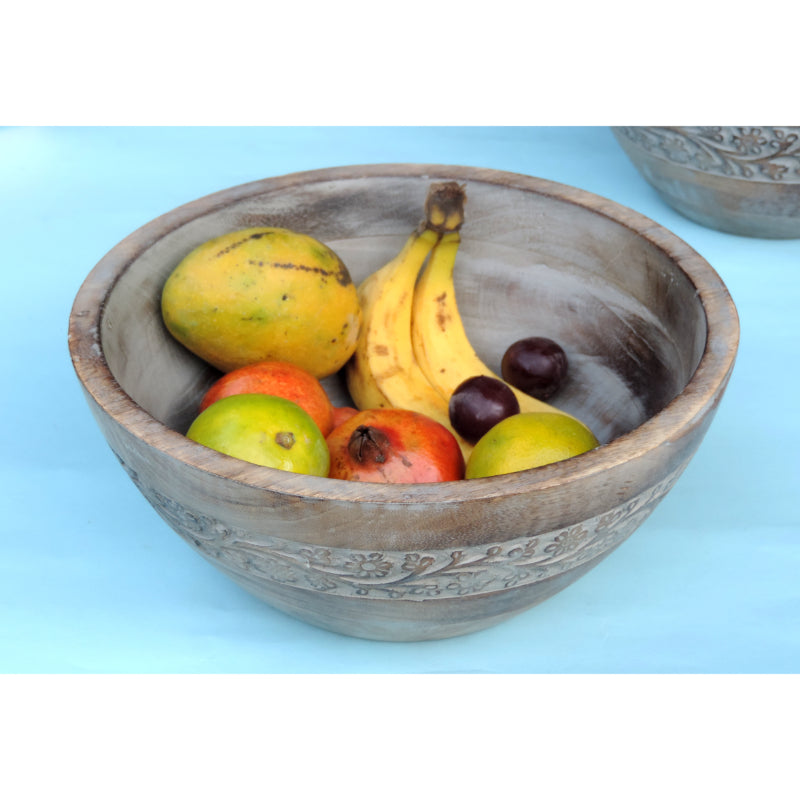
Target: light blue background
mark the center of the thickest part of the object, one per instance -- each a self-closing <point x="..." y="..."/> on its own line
<point x="91" y="580"/>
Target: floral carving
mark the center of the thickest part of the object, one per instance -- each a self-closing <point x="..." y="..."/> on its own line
<point x="754" y="153"/>
<point x="373" y="565"/>
<point x="399" y="574"/>
<point x="567" y="542"/>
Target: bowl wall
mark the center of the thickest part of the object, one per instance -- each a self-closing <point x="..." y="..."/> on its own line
<point x="648" y="327"/>
<point x="629" y="318"/>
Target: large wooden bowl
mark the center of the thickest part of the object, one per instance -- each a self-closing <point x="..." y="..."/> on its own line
<point x="651" y="335"/>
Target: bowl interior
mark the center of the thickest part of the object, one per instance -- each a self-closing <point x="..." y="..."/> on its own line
<point x="530" y="263"/>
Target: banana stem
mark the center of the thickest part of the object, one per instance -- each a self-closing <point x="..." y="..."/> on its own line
<point x="444" y="206"/>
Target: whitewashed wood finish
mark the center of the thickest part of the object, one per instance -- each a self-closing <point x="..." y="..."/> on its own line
<point x="742" y="180"/>
<point x="648" y="325"/>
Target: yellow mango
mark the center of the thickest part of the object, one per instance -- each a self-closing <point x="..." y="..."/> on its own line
<point x="264" y="294"/>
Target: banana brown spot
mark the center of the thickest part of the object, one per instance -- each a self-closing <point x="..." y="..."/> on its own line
<point x="441" y="314"/>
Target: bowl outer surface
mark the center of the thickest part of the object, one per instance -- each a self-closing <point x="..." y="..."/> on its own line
<point x="184" y="479"/>
<point x="749" y="191"/>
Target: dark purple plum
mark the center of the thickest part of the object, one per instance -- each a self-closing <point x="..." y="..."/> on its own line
<point x="536" y="365"/>
<point x="478" y="404"/>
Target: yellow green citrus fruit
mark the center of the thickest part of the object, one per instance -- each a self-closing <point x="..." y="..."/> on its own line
<point x="264" y="294"/>
<point x="528" y="440"/>
<point x="263" y="429"/>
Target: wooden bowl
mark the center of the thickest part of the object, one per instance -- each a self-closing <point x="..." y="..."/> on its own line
<point x="742" y="180"/>
<point x="651" y="335"/>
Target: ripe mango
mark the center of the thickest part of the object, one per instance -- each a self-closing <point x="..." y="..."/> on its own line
<point x="264" y="294"/>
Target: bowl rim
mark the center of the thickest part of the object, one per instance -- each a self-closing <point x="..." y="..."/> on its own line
<point x="677" y="417"/>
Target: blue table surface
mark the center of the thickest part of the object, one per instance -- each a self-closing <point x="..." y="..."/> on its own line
<point x="92" y="581"/>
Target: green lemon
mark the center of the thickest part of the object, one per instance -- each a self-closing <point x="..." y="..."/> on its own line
<point x="527" y="440"/>
<point x="266" y="430"/>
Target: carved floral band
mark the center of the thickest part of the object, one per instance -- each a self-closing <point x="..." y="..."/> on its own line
<point x="755" y="153"/>
<point x="401" y="574"/>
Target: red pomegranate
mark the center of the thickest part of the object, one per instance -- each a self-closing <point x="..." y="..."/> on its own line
<point x="392" y="445"/>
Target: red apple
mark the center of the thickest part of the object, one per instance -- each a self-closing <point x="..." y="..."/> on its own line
<point x="280" y="379"/>
<point x="392" y="445"/>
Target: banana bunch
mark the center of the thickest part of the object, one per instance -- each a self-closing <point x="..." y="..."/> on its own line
<point x="441" y="347"/>
<point x="413" y="350"/>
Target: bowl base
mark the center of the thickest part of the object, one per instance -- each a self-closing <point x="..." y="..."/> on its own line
<point x="424" y="619"/>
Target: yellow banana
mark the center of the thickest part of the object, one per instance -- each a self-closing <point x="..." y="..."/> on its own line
<point x="441" y="346"/>
<point x="383" y="371"/>
<point x="361" y="382"/>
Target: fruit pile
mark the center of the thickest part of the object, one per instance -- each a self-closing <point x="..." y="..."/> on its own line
<point x="276" y="311"/>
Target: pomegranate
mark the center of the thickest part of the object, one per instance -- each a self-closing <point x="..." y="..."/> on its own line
<point x="393" y="445"/>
